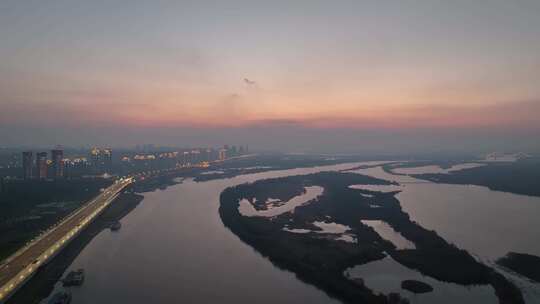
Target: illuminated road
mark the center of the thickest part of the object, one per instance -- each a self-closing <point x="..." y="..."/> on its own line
<point x="22" y="265"/>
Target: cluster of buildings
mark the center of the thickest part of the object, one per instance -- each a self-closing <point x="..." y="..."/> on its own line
<point x="55" y="167"/>
<point x="99" y="161"/>
<point x="184" y="157"/>
<point x="232" y="151"/>
<point x="43" y="167"/>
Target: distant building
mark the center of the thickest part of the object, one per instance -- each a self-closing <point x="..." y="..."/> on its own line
<point x="75" y="167"/>
<point x="101" y="160"/>
<point x="208" y="155"/>
<point x="57" y="157"/>
<point x="222" y="154"/>
<point x="28" y="164"/>
<point x="41" y="165"/>
<point x="94" y="158"/>
<point x="186" y="158"/>
<point x="107" y="160"/>
<point x="195" y="157"/>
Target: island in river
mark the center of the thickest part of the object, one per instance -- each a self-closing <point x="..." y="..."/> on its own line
<point x="299" y="240"/>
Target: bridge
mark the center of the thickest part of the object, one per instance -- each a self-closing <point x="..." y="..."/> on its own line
<point x="17" y="269"/>
<point x="23" y="264"/>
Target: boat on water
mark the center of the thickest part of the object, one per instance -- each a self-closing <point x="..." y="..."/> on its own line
<point x="74" y="278"/>
<point x="61" y="297"/>
<point x="116" y="226"/>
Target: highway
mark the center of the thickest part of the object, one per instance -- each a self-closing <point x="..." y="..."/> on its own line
<point x="22" y="265"/>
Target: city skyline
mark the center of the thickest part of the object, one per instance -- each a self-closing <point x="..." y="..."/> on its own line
<point x="415" y="74"/>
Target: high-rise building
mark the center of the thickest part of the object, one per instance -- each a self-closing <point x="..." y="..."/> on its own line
<point x="195" y="157"/>
<point x="208" y="155"/>
<point x="94" y="159"/>
<point x="101" y="160"/>
<point x="57" y="157"/>
<point x="222" y="154"/>
<point x="28" y="164"/>
<point x="107" y="160"/>
<point x="41" y="164"/>
<point x="186" y="158"/>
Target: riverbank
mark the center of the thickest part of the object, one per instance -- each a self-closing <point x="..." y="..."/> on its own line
<point x="520" y="177"/>
<point x="265" y="163"/>
<point x="42" y="283"/>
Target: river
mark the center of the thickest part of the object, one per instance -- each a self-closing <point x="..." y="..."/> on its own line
<point x="486" y="223"/>
<point x="174" y="248"/>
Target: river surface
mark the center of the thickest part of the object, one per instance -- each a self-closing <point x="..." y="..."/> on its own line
<point x="436" y="169"/>
<point x="486" y="223"/>
<point x="311" y="193"/>
<point x="174" y="248"/>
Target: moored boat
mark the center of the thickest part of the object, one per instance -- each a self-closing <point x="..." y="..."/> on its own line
<point x="116" y="226"/>
<point x="74" y="278"/>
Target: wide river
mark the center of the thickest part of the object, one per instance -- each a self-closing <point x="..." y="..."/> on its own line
<point x="173" y="248"/>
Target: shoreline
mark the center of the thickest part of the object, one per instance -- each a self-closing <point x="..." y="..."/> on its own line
<point x="489" y="176"/>
<point x="40" y="286"/>
<point x="267" y="237"/>
<point x="42" y="283"/>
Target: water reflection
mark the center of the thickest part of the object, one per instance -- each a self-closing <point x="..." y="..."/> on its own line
<point x="377" y="188"/>
<point x="388" y="233"/>
<point x="312" y="192"/>
<point x="436" y="169"/>
<point x="333" y="228"/>
<point x="212" y="172"/>
<point x="386" y="275"/>
<point x="339" y="230"/>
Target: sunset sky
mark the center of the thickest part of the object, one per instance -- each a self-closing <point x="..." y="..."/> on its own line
<point x="271" y="73"/>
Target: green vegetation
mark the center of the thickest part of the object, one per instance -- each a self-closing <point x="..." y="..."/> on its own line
<point x="29" y="207"/>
